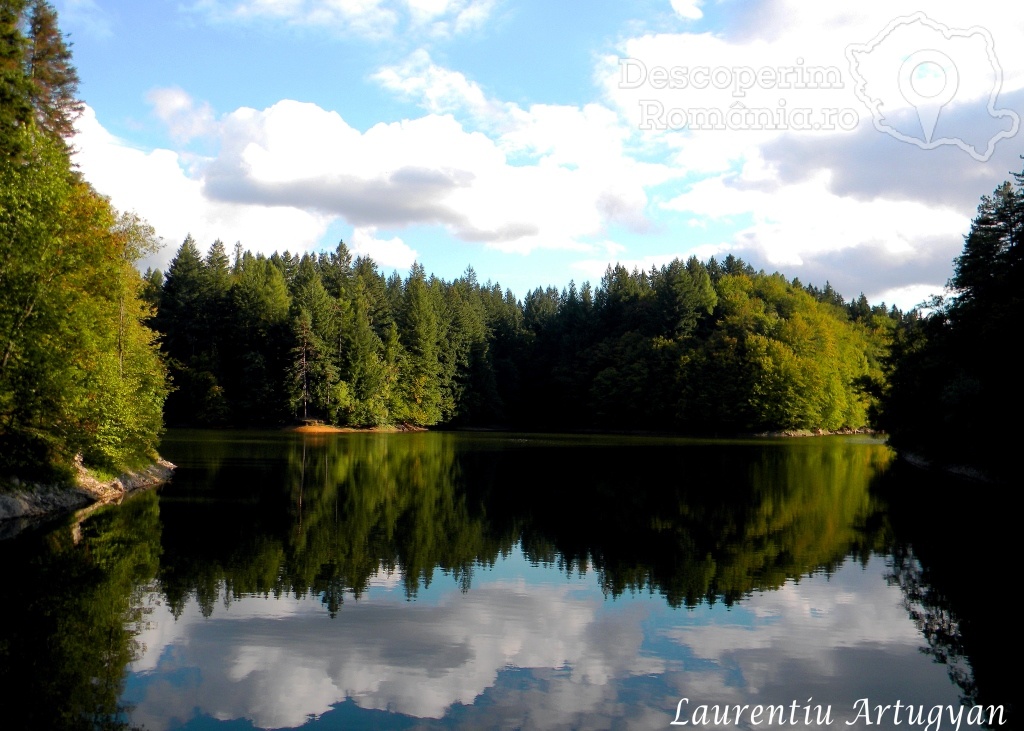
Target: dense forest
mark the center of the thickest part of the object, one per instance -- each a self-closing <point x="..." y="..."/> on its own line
<point x="80" y="374"/>
<point x="949" y="394"/>
<point x="690" y="346"/>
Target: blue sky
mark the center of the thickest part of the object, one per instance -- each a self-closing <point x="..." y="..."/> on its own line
<point x="541" y="141"/>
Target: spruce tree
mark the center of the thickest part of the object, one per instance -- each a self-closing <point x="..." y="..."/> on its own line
<point x="54" y="79"/>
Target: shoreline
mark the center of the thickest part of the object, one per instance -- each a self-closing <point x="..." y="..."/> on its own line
<point x="32" y="503"/>
<point x="328" y="429"/>
<point x="402" y="428"/>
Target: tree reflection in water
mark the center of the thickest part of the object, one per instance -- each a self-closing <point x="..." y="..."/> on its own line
<point x="273" y="515"/>
<point x="72" y="610"/>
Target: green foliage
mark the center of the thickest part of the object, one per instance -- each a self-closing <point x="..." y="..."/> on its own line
<point x="79" y="372"/>
<point x="948" y="393"/>
<point x="54" y="80"/>
<point x="690" y="346"/>
<point x="420" y="331"/>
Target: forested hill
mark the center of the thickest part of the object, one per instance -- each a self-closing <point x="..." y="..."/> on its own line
<point x="693" y="347"/>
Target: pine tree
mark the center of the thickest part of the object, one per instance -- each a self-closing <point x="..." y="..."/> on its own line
<point x="182" y="302"/>
<point x="364" y="367"/>
<point x="54" y="79"/>
<point x="15" y="90"/>
<point x="260" y="338"/>
<point x="420" y="334"/>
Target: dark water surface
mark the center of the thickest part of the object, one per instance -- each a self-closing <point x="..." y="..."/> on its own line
<point x="452" y="580"/>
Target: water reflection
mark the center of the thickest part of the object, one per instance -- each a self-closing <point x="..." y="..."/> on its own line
<point x="694" y="522"/>
<point x="951" y="541"/>
<point x="73" y="606"/>
<point x="484" y="581"/>
<point x="520" y="653"/>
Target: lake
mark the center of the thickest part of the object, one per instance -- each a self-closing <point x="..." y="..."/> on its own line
<point x="513" y="581"/>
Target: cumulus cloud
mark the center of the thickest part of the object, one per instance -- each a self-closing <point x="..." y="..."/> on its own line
<point x="184" y="118"/>
<point x="793" y="162"/>
<point x="449" y="17"/>
<point x="440" y="90"/>
<point x="806" y="231"/>
<point x="590" y="140"/>
<point x="157" y="184"/>
<point x="374" y="19"/>
<point x="514" y="179"/>
<point x="688" y="9"/>
<point x="390" y="253"/>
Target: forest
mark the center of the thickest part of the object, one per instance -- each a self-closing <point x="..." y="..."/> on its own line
<point x="690" y="346"/>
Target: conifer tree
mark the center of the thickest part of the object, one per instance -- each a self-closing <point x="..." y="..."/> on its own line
<point x="54" y="79"/>
<point x="420" y="334"/>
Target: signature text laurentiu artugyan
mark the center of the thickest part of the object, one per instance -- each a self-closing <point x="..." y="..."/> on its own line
<point x="863" y="712"/>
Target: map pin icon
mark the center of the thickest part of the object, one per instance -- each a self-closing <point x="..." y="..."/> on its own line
<point x="918" y="77"/>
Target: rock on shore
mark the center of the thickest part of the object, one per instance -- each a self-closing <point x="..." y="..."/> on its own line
<point x="31" y="502"/>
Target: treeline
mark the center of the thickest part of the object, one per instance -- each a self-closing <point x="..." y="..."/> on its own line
<point x="951" y="394"/>
<point x="79" y="372"/>
<point x="690" y="346"/>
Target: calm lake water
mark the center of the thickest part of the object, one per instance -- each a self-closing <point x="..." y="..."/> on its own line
<point x="475" y="581"/>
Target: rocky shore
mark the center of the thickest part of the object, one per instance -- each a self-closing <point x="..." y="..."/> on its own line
<point x="29" y="503"/>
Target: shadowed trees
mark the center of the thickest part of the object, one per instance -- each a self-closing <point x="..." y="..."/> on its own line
<point x="949" y="394"/>
<point x="688" y="346"/>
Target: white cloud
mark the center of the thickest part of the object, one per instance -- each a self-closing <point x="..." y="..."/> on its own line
<point x="375" y="19"/>
<point x="550" y="176"/>
<point x="798" y="196"/>
<point x="589" y="143"/>
<point x="473" y="15"/>
<point x="157" y="186"/>
<point x="439" y="90"/>
<point x="798" y="219"/>
<point x="449" y="17"/>
<point x="184" y="119"/>
<point x="390" y="253"/>
<point x="689" y="9"/>
<point x="283" y="174"/>
<point x="908" y="296"/>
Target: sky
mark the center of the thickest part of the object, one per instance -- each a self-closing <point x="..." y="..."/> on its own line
<point x="539" y="141"/>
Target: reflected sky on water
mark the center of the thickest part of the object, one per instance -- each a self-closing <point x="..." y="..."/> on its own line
<point x="494" y="581"/>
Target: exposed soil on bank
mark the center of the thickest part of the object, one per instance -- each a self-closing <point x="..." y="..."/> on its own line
<point x="326" y="429"/>
<point x="31" y="503"/>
